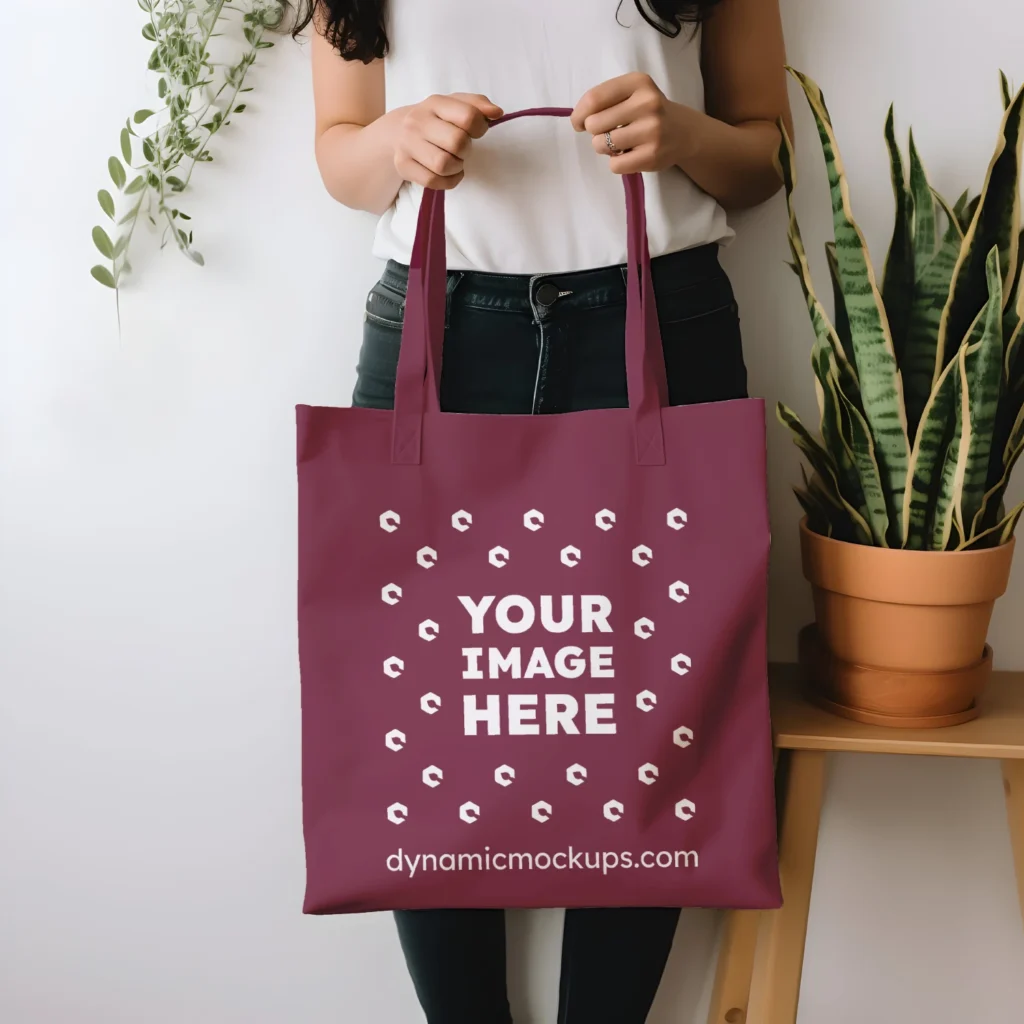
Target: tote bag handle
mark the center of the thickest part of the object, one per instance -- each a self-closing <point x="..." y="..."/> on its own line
<point x="419" y="365"/>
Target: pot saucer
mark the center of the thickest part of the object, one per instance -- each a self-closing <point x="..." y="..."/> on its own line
<point x="825" y="677"/>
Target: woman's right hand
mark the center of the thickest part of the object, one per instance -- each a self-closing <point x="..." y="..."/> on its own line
<point x="435" y="135"/>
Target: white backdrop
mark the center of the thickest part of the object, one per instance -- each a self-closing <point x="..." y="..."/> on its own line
<point x="150" y="856"/>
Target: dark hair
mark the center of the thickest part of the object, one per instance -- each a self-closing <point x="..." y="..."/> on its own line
<point x="357" y="28"/>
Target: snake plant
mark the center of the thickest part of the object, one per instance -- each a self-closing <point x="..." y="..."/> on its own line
<point x="920" y="376"/>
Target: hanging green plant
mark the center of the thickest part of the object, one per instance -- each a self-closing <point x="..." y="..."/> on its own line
<point x="200" y="94"/>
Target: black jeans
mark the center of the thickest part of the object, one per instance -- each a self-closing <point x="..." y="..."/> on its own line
<point x="547" y="344"/>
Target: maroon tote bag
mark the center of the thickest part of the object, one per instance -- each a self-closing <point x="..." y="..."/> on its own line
<point x="533" y="647"/>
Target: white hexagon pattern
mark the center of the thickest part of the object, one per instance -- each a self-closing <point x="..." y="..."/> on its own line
<point x="642" y="554"/>
<point x="613" y="810"/>
<point x="643" y="628"/>
<point x="681" y="664"/>
<point x="498" y="557"/>
<point x="646" y="700"/>
<point x="685" y="809"/>
<point x="676" y="519"/>
<point x="541" y="811"/>
<point x="682" y="737"/>
<point x="571" y="556"/>
<point x="533" y="520"/>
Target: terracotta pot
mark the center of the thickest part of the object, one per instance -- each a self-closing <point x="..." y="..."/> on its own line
<point x="904" y="630"/>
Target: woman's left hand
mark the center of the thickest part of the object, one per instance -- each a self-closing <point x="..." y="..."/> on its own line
<point x="648" y="131"/>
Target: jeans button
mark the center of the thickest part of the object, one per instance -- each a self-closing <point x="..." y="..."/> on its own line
<point x="547" y="294"/>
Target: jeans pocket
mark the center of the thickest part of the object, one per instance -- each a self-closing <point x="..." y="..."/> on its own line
<point x="385" y="306"/>
<point x="378" y="365"/>
<point x="704" y="357"/>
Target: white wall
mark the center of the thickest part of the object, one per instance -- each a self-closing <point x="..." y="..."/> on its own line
<point x="150" y="858"/>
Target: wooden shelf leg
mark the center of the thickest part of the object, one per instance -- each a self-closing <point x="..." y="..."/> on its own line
<point x="735" y="966"/>
<point x="779" y="957"/>
<point x="1013" y="783"/>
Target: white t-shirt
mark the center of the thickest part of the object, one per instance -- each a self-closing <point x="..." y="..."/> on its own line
<point x="536" y="198"/>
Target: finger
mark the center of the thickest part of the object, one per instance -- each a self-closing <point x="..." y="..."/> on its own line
<point x="469" y="112"/>
<point x="420" y="175"/>
<point x="628" y="137"/>
<point x="437" y="161"/>
<point x="614" y="117"/>
<point x="601" y="97"/>
<point x="447" y="136"/>
<point x="640" y="159"/>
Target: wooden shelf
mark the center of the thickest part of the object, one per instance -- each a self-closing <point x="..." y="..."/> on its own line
<point x="761" y="958"/>
<point x="997" y="733"/>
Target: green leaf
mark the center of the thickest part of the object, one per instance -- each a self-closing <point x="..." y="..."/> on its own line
<point x="874" y="355"/>
<point x="898" y="276"/>
<point x="925" y="236"/>
<point x="842" y="320"/>
<point x="120" y="245"/>
<point x="968" y="212"/>
<point x="131" y="214"/>
<point x="103" y="242"/>
<point x="984" y="361"/>
<point x="867" y="494"/>
<point x="142" y="115"/>
<point x="835" y="438"/>
<point x="826" y="334"/>
<point x="938" y="421"/>
<point x="960" y="207"/>
<point x="126" y="145"/>
<point x="176" y="183"/>
<point x="996" y="535"/>
<point x="978" y="376"/>
<point x="147" y="150"/>
<point x="1010" y="456"/>
<point x="196" y="257"/>
<point x="103" y="275"/>
<point x="239" y="108"/>
<point x="148" y="32"/>
<point x="1015" y="302"/>
<point x="135" y="185"/>
<point x="161" y="88"/>
<point x="816" y="512"/>
<point x="116" y="168"/>
<point x="106" y="202"/>
<point x="930" y="295"/>
<point x="996" y="223"/>
<point x="824" y="466"/>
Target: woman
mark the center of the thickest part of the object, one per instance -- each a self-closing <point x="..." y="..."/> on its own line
<point x="688" y="92"/>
